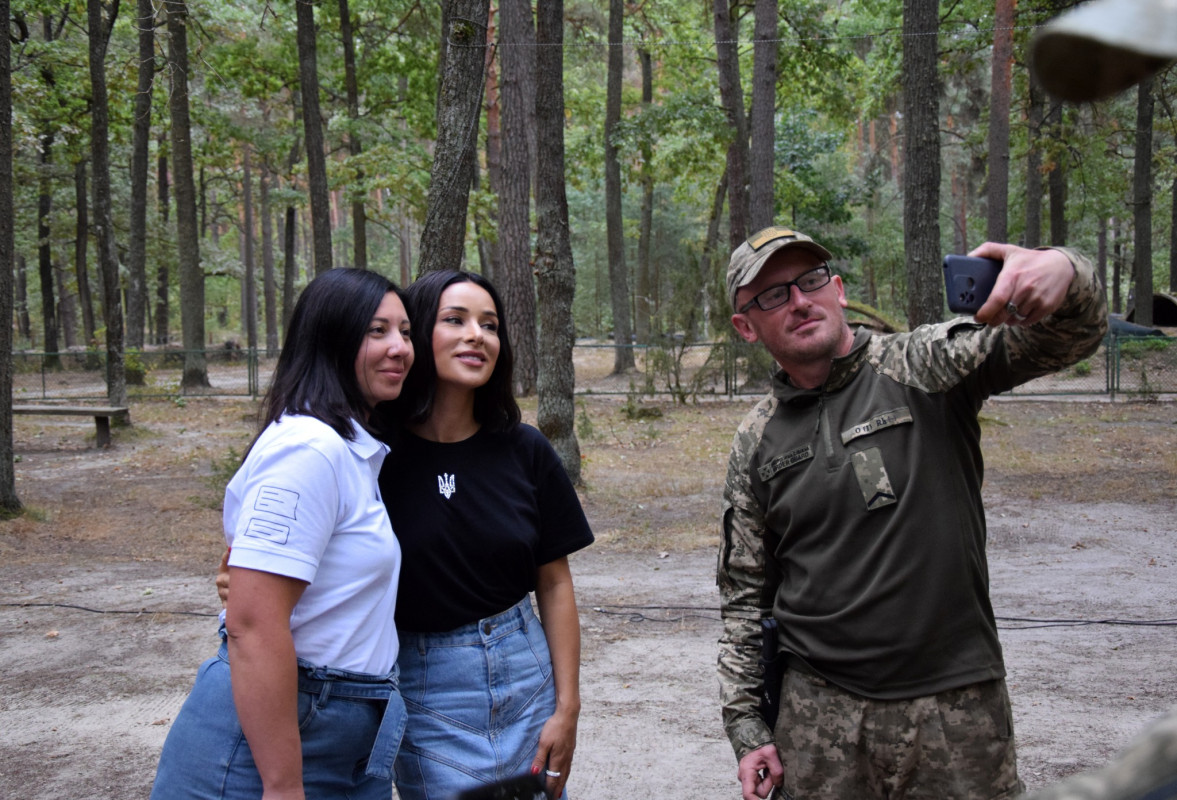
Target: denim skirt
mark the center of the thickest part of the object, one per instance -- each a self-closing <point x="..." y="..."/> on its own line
<point x="477" y="698"/>
<point x="350" y="725"/>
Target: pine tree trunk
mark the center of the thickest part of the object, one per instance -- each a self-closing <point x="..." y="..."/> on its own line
<point x="140" y="139"/>
<point x="459" y="101"/>
<point x="162" y="314"/>
<point x="1033" y="235"/>
<point x="45" y="255"/>
<point x="108" y="263"/>
<point x="644" y="295"/>
<point x="618" y="272"/>
<point x="999" y="94"/>
<point x="269" y="284"/>
<point x="731" y="94"/>
<point x="308" y="79"/>
<point x="761" y="200"/>
<point x="195" y="374"/>
<point x="555" y="272"/>
<point x="9" y="502"/>
<point x="1142" y="205"/>
<point x="359" y="216"/>
<point x="249" y="279"/>
<point x="515" y="271"/>
<point x="921" y="171"/>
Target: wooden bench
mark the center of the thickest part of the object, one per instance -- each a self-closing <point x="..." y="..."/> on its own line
<point x="101" y="415"/>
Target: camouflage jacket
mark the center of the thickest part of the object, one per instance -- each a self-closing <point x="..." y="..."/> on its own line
<point x="852" y="513"/>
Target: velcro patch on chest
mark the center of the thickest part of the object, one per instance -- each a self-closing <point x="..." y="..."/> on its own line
<point x="872" y="478"/>
<point x="784" y="461"/>
<point x="884" y="419"/>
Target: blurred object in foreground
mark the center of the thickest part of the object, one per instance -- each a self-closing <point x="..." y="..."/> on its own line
<point x="1103" y="47"/>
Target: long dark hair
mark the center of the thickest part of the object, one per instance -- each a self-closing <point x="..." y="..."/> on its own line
<point x="495" y="408"/>
<point x="316" y="372"/>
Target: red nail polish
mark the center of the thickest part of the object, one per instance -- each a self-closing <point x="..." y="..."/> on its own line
<point x="534" y="769"/>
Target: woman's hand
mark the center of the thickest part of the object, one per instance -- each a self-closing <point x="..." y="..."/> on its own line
<point x="557" y="743"/>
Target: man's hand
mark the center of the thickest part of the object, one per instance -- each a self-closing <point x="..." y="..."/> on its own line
<point x="223" y="579"/>
<point x="1031" y="286"/>
<point x="759" y="772"/>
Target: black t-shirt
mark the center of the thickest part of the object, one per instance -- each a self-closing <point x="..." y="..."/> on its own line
<point x="475" y="520"/>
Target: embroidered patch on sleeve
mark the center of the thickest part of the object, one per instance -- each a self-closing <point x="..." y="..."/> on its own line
<point x="268" y="530"/>
<point x="784" y="461"/>
<point x="872" y="478"/>
<point x="281" y="502"/>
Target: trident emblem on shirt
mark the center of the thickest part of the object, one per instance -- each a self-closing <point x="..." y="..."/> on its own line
<point x="445" y="485"/>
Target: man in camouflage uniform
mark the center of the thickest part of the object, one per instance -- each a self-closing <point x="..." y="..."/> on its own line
<point x="852" y="515"/>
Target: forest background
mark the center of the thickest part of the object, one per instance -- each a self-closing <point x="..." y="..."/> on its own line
<point x="179" y="169"/>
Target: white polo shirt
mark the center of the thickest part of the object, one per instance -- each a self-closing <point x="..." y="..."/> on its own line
<point x="306" y="505"/>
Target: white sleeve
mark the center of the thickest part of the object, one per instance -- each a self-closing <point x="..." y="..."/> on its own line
<point x="287" y="508"/>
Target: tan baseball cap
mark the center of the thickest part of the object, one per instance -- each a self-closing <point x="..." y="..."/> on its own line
<point x="752" y="255"/>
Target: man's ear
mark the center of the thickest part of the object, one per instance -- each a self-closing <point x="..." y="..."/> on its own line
<point x="842" y="301"/>
<point x="740" y="323"/>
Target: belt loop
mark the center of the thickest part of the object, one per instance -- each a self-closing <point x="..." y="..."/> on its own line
<point x="325" y="693"/>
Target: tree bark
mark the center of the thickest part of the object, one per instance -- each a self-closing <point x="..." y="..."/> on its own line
<point x="1173" y="243"/>
<point x="1033" y="234"/>
<point x="249" y="278"/>
<point x="359" y="216"/>
<point x="23" y="324"/>
<point x="731" y="94"/>
<point x="140" y="139"/>
<point x="555" y="271"/>
<point x="195" y="374"/>
<point x="644" y="295"/>
<point x="1142" y="205"/>
<point x="921" y="173"/>
<point x="999" y="93"/>
<point x="81" y="252"/>
<point x="9" y="502"/>
<point x="487" y="250"/>
<point x="162" y="314"/>
<point x="308" y="79"/>
<point x="762" y="156"/>
<point x="618" y="273"/>
<point x="269" y="285"/>
<point x="45" y="255"/>
<point x="289" y="267"/>
<point x="443" y="240"/>
<point x="514" y="262"/>
<point x="108" y="262"/>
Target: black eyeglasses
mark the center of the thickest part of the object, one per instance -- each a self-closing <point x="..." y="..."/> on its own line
<point x="778" y="295"/>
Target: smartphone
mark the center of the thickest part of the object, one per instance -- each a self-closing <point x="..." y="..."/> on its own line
<point x="968" y="281"/>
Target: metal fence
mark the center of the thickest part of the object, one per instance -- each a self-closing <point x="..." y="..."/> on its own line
<point x="687" y="371"/>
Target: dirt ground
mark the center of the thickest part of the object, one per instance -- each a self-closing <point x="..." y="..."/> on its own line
<point x="108" y="606"/>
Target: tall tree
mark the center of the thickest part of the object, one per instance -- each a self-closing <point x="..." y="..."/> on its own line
<point x="643" y="301"/>
<point x="1142" y="204"/>
<point x="1056" y="178"/>
<point x="618" y="273"/>
<point x="921" y="172"/>
<point x="999" y="102"/>
<point x="762" y="155"/>
<point x="249" y="278"/>
<point x="514" y="261"/>
<point x="140" y="139"/>
<point x="459" y="99"/>
<point x="308" y="79"/>
<point x="555" y="271"/>
<point x="101" y="24"/>
<point x="195" y="374"/>
<point x="9" y="502"/>
<point x="359" y="216"/>
<point x="81" y="250"/>
<point x="162" y="294"/>
<point x="731" y="94"/>
<point x="47" y="137"/>
<point x="269" y="284"/>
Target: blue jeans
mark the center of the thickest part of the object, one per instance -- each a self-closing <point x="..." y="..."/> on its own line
<point x="476" y="697"/>
<point x="340" y="714"/>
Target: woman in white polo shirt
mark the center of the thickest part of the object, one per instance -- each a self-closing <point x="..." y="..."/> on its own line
<point x="302" y="699"/>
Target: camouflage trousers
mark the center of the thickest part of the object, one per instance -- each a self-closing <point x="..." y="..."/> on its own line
<point x="836" y="745"/>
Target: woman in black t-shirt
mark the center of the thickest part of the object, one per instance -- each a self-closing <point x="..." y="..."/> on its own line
<point x="485" y="514"/>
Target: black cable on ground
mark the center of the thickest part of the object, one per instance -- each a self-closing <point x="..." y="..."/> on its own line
<point x="138" y="612"/>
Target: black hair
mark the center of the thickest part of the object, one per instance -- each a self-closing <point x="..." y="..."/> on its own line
<point x="316" y="371"/>
<point x="495" y="408"/>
